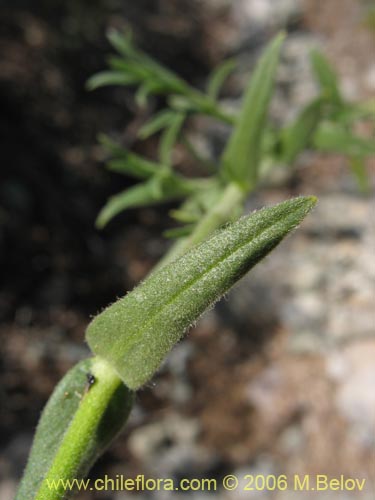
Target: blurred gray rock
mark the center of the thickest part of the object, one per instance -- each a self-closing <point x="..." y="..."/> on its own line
<point x="319" y="284"/>
<point x="169" y="448"/>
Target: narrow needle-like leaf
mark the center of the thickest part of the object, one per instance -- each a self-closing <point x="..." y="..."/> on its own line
<point x="162" y="187"/>
<point x="218" y="77"/>
<point x="110" y="78"/>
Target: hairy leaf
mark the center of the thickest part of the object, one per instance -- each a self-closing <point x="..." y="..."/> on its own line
<point x="136" y="332"/>
<point x="106" y="402"/>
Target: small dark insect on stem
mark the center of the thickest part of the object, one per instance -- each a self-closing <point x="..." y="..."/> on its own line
<point x="90" y="381"/>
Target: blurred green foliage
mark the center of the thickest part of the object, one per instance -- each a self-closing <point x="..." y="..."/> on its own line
<point x="327" y="124"/>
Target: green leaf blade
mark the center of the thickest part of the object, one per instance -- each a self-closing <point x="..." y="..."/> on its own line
<point x="127" y="162"/>
<point x="105" y="78"/>
<point x="169" y="138"/>
<point x="218" y="77"/>
<point x="333" y="138"/>
<point x="241" y="157"/>
<point x="326" y="76"/>
<point x="136" y="332"/>
<point x="136" y="196"/>
<point x="134" y="165"/>
<point x="77" y="424"/>
<point x="122" y="42"/>
<point x="297" y="136"/>
<point x="358" y="168"/>
<point x="157" y="122"/>
<point x="162" y="187"/>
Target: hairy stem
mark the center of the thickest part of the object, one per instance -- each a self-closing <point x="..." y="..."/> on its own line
<point x="74" y="456"/>
<point x="223" y="211"/>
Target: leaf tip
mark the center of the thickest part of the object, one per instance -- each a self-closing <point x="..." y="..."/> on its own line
<point x="312" y="199"/>
<point x="101" y="220"/>
<point x="89" y="84"/>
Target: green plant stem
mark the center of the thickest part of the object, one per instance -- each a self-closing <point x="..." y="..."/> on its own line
<point x="67" y="464"/>
<point x="227" y="206"/>
<point x="217" y="112"/>
<point x="211" y="107"/>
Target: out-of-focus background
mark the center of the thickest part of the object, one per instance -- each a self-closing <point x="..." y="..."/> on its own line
<point x="279" y="378"/>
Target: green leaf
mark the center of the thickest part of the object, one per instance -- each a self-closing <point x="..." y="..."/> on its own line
<point x="147" y="89"/>
<point x="110" y="78"/>
<point x="135" y="166"/>
<point x="351" y="113"/>
<point x="184" y="215"/>
<point x="296" y="137"/>
<point x="168" y="80"/>
<point x="358" y="168"/>
<point x="179" y="232"/>
<point x="142" y="94"/>
<point x="77" y="424"/>
<point x="122" y="42"/>
<point x="126" y="162"/>
<point x="136" y="332"/>
<point x="326" y="77"/>
<point x="136" y="196"/>
<point x="110" y="145"/>
<point x="169" y="138"/>
<point x="165" y="77"/>
<point x="218" y="77"/>
<point x="159" y="121"/>
<point x="198" y="204"/>
<point x="158" y="189"/>
<point x="129" y="67"/>
<point x="241" y="157"/>
<point x="332" y="138"/>
<point x="181" y="103"/>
